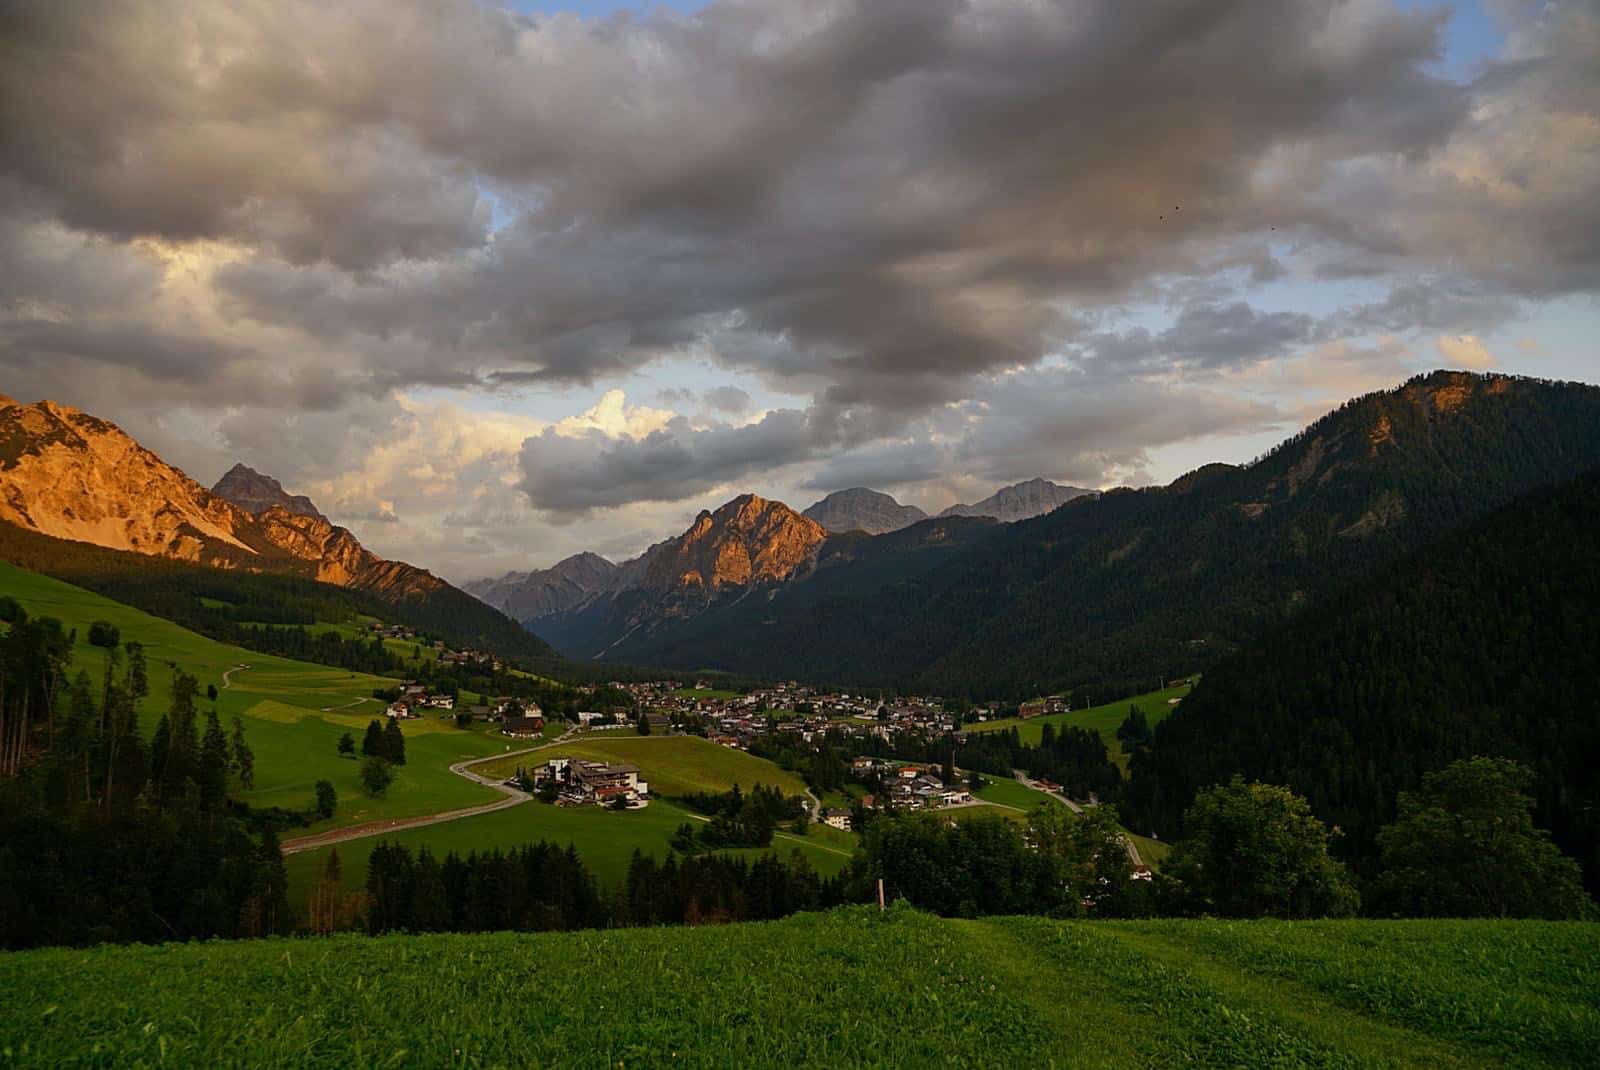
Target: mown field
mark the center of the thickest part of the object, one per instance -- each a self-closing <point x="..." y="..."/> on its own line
<point x="673" y="765"/>
<point x="848" y="988"/>
<point x="294" y="712"/>
<point x="1105" y="719"/>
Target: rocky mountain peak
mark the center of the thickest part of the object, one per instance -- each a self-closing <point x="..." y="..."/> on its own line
<point x="863" y="509"/>
<point x="255" y="492"/>
<point x="745" y="541"/>
<point x="1020" y="501"/>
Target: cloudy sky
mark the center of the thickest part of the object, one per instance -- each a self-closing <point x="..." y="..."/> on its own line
<point x="495" y="284"/>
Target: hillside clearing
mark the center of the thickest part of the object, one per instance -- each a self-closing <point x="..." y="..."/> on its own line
<point x="847" y="988"/>
<point x="1105" y="719"/>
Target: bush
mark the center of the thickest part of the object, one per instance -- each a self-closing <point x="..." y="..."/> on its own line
<point x="104" y="633"/>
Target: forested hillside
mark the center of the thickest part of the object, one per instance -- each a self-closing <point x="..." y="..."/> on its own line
<point x="1134" y="586"/>
<point x="215" y="601"/>
<point x="1484" y="643"/>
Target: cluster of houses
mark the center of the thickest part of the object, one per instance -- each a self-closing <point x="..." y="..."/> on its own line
<point x="580" y="782"/>
<point x="1040" y="706"/>
<point x="415" y="699"/>
<point x="519" y="718"/>
<point x="910" y="786"/>
<point x="441" y="650"/>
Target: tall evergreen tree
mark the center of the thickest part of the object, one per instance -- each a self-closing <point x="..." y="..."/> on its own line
<point x="244" y="759"/>
<point x="394" y="742"/>
<point x="214" y="762"/>
<point x="372" y="744"/>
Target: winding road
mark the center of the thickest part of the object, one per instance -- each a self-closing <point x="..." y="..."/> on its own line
<point x="1022" y="778"/>
<point x="513" y="797"/>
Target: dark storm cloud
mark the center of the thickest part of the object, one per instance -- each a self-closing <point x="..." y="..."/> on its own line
<point x="883" y="205"/>
<point x="572" y="474"/>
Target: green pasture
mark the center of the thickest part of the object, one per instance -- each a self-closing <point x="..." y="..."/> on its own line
<point x="672" y="765"/>
<point x="847" y="988"/>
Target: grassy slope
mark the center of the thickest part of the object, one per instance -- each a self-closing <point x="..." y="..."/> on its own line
<point x="1103" y="719"/>
<point x="295" y="745"/>
<point x="672" y="765"/>
<point x="848" y="988"/>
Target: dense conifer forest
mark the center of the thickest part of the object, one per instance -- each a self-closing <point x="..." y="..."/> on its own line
<point x="1484" y="643"/>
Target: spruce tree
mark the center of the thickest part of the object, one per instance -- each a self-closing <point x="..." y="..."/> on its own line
<point x="327" y="799"/>
<point x="214" y="763"/>
<point x="160" y="744"/>
<point x="244" y="759"/>
<point x="347" y="745"/>
<point x="394" y="743"/>
<point x="372" y="745"/>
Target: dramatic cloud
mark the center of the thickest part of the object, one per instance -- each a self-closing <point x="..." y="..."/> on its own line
<point x="893" y="241"/>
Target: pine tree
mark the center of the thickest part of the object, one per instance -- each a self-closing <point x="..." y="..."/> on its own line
<point x="372" y="745"/>
<point x="394" y="743"/>
<point x="327" y="799"/>
<point x="213" y="764"/>
<point x="347" y="745"/>
<point x="244" y="759"/>
<point x="160" y="744"/>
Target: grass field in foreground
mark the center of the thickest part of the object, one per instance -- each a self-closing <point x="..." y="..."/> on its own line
<point x="672" y="765"/>
<point x="847" y="988"/>
<point x="605" y="841"/>
<point x="294" y="712"/>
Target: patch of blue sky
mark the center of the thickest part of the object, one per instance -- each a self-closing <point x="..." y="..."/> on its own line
<point x="1472" y="35"/>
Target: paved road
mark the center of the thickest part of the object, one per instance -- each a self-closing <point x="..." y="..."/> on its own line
<point x="1022" y="778"/>
<point x="513" y="797"/>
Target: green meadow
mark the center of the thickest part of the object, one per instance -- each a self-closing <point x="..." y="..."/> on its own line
<point x="605" y="839"/>
<point x="847" y="988"/>
<point x="672" y="765"/>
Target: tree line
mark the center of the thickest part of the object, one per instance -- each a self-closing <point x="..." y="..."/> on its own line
<point x="108" y="836"/>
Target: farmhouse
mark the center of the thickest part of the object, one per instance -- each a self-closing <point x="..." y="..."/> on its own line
<point x="525" y="727"/>
<point x="836" y="818"/>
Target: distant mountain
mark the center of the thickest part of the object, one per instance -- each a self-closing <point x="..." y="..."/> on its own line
<point x="72" y="476"/>
<point x="749" y="544"/>
<point x="530" y="595"/>
<point x="1021" y="501"/>
<point x="860" y="509"/>
<point x="739" y="630"/>
<point x="255" y="493"/>
<point x="1482" y="643"/>
<point x="1119" y="591"/>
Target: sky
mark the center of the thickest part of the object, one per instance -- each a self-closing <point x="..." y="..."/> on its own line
<point x="498" y="284"/>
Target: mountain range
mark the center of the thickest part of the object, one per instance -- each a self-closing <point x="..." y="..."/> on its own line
<point x="1121" y="588"/>
<point x="68" y="475"/>
<point x="1113" y="591"/>
<point x="749" y="542"/>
